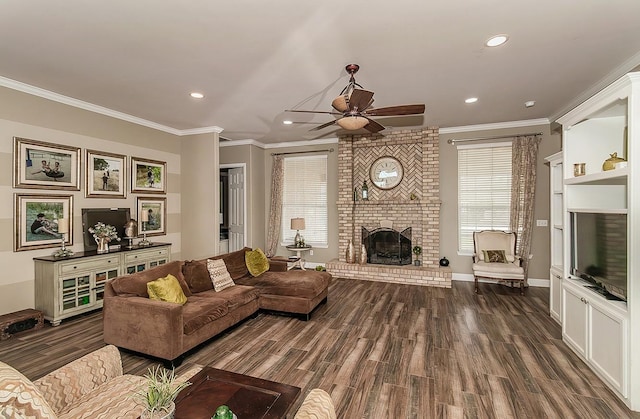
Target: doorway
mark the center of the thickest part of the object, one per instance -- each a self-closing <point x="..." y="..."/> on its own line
<point x="233" y="214"/>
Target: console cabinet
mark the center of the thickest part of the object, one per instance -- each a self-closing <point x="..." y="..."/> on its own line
<point x="65" y="287"/>
<point x="604" y="333"/>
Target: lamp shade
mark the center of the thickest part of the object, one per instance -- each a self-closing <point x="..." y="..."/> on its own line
<point x="63" y="225"/>
<point x="340" y="103"/>
<point x="144" y="216"/>
<point x="353" y="122"/>
<point x="297" y="224"/>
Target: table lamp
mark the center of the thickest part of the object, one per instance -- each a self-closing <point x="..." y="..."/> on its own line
<point x="144" y="219"/>
<point x="297" y="224"/>
<point x="63" y="228"/>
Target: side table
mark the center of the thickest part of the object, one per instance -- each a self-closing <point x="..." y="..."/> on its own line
<point x="299" y="251"/>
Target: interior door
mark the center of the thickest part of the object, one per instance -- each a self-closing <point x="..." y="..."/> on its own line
<point x="236" y="209"/>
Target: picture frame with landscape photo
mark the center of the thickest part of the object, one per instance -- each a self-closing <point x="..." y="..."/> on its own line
<point x="36" y="220"/>
<point x="156" y="216"/>
<point x="38" y="164"/>
<point x="148" y="176"/>
<point x="105" y="176"/>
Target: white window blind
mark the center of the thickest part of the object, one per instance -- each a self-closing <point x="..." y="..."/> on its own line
<point x="305" y="195"/>
<point x="484" y="190"/>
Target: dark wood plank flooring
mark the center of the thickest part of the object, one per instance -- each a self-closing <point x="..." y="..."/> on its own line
<point x="386" y="350"/>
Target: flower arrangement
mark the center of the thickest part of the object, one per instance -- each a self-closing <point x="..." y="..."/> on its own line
<point x="104" y="231"/>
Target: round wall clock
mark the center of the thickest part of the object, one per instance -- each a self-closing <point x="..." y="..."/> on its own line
<point x="386" y="172"/>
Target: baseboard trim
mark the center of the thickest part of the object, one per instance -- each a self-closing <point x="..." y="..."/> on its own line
<point x="533" y="282"/>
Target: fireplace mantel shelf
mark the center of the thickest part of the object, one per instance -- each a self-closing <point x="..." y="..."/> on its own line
<point x="388" y="202"/>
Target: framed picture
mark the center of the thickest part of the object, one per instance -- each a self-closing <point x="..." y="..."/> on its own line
<point x="38" y="221"/>
<point x="106" y="174"/>
<point x="152" y="216"/>
<point x="44" y="165"/>
<point x="148" y="176"/>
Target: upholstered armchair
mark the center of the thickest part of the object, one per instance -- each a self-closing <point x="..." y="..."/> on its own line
<point x="494" y="257"/>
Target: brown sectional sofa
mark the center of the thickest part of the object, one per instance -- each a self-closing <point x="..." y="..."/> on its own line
<point x="167" y="330"/>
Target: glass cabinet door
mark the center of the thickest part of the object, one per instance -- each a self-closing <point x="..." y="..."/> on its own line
<point x="76" y="292"/>
<point x="101" y="278"/>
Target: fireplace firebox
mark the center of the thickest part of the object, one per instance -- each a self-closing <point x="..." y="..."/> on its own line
<point x="386" y="246"/>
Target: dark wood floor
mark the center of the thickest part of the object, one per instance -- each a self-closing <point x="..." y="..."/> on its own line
<point x="386" y="350"/>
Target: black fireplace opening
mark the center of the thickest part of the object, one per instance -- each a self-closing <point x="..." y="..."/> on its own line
<point x="386" y="246"/>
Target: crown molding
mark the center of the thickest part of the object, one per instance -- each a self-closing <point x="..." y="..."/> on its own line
<point x="302" y="143"/>
<point x="497" y="125"/>
<point x="203" y="130"/>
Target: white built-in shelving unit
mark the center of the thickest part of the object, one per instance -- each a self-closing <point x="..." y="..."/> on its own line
<point x="604" y="333"/>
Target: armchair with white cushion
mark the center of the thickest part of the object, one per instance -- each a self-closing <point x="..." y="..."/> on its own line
<point x="494" y="257"/>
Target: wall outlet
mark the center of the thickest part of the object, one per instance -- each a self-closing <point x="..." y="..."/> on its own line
<point x="541" y="223"/>
<point x="311" y="252"/>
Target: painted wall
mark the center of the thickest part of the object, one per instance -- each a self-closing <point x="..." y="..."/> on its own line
<point x="35" y="118"/>
<point x="461" y="264"/>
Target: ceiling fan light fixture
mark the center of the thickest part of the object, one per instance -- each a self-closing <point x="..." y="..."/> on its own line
<point x="340" y="103"/>
<point x="351" y="123"/>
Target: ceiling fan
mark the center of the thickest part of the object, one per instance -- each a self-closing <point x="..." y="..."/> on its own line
<point x="353" y="106"/>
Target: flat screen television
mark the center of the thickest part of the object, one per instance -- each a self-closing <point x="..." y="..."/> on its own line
<point x="117" y="217"/>
<point x="599" y="251"/>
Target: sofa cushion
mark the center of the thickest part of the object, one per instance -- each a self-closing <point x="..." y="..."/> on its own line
<point x="166" y="289"/>
<point x="136" y="285"/>
<point x="296" y="283"/>
<point x="235" y="296"/>
<point x="235" y="262"/>
<point x="201" y="310"/>
<point x="111" y="400"/>
<point x="256" y="261"/>
<point x="197" y="276"/>
<point x="219" y="274"/>
<point x="20" y="398"/>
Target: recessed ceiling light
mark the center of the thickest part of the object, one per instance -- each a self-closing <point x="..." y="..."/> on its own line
<point x="494" y="41"/>
<point x="471" y="100"/>
<point x="197" y="95"/>
<point x="529" y="103"/>
<point x="287" y="122"/>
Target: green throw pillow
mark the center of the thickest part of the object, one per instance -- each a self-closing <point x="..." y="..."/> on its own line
<point x="257" y="262"/>
<point x="166" y="289"/>
<point x="494" y="256"/>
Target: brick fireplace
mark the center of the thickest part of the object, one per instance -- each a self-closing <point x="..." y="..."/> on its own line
<point x="414" y="203"/>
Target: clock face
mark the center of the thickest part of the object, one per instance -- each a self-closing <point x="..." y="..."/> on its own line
<point x="386" y="172"/>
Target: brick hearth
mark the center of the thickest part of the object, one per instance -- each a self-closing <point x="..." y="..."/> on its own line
<point x="418" y="151"/>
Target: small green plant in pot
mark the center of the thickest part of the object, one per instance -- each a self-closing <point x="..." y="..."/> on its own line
<point x="159" y="393"/>
<point x="417" y="250"/>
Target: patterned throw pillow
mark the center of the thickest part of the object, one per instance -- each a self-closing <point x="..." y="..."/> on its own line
<point x="257" y="262"/>
<point x="19" y="397"/>
<point x="166" y="289"/>
<point x="219" y="274"/>
<point x="494" y="256"/>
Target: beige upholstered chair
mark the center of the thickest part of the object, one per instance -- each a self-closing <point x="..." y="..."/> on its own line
<point x="494" y="257"/>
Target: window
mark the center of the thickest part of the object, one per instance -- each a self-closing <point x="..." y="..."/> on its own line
<point x="305" y="195"/>
<point x="484" y="190"/>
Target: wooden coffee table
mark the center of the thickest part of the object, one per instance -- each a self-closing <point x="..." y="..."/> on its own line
<point x="248" y="397"/>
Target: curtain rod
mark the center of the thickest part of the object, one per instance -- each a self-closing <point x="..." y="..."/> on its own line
<point x="497" y="137"/>
<point x="329" y="150"/>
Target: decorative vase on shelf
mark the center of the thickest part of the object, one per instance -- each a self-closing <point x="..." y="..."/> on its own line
<point x="363" y="255"/>
<point x="351" y="253"/>
<point x="103" y="244"/>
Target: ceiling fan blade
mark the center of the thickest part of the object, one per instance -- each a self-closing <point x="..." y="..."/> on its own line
<point x="323" y="126"/>
<point x="360" y="99"/>
<point x="327" y="112"/>
<point x="373" y="126"/>
<point x="397" y="110"/>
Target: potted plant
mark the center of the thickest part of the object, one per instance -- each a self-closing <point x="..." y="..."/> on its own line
<point x="159" y="393"/>
<point x="417" y="250"/>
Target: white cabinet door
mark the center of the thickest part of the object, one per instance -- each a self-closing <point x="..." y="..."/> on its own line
<point x="607" y="343"/>
<point x="555" y="294"/>
<point x="574" y="320"/>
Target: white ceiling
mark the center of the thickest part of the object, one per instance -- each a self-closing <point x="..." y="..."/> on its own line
<point x="254" y="59"/>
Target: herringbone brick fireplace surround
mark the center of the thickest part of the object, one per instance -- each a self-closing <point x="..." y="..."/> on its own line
<point x="414" y="203"/>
